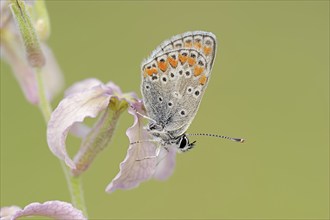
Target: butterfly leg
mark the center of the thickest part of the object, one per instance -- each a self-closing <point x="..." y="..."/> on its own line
<point x="143" y="141"/>
<point x="142" y="115"/>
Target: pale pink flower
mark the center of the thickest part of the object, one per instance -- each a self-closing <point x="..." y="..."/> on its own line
<point x="133" y="172"/>
<point x="92" y="98"/>
<point x="51" y="209"/>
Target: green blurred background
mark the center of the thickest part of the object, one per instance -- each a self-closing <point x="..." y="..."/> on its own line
<point x="270" y="85"/>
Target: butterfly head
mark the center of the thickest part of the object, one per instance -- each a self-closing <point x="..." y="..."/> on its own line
<point x="184" y="144"/>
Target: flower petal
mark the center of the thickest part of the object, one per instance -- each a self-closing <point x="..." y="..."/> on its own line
<point x="12" y="51"/>
<point x="133" y="172"/>
<point x="52" y="209"/>
<point x="79" y="130"/>
<point x="82" y="86"/>
<point x="6" y="213"/>
<point x="166" y="163"/>
<point x="5" y="14"/>
<point x="72" y="109"/>
<point x="114" y="87"/>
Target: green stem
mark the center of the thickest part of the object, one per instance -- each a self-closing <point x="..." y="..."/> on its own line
<point x="75" y="188"/>
<point x="74" y="183"/>
<point x="44" y="105"/>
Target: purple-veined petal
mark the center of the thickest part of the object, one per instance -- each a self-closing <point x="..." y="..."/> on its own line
<point x="133" y="172"/>
<point x="166" y="163"/>
<point x="51" y="209"/>
<point x="6" y="213"/>
<point x="82" y="86"/>
<point x="72" y="109"/>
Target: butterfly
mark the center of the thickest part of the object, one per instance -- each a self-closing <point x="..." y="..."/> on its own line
<point x="174" y="80"/>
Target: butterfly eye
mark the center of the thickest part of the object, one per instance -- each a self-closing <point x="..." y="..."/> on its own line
<point x="183" y="142"/>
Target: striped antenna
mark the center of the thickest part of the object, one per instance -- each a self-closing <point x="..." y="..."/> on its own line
<point x="240" y="140"/>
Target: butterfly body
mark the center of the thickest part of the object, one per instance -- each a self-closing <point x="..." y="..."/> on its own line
<point x="174" y="79"/>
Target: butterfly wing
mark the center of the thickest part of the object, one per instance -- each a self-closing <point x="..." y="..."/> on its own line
<point x="175" y="77"/>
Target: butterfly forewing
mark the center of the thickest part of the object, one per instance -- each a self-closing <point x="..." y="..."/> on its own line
<point x="174" y="79"/>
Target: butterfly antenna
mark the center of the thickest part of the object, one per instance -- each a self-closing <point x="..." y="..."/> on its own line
<point x="240" y="140"/>
<point x="142" y="115"/>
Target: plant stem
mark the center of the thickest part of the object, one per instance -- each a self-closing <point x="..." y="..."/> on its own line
<point x="44" y="105"/>
<point x="74" y="183"/>
<point x="75" y="188"/>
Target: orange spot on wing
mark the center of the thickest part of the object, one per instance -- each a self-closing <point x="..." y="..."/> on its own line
<point x="151" y="71"/>
<point x="172" y="62"/>
<point x="207" y="50"/>
<point x="188" y="44"/>
<point x="191" y="61"/>
<point x="198" y="70"/>
<point x="203" y="80"/>
<point x="162" y="66"/>
<point x="198" y="45"/>
<point x="182" y="58"/>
